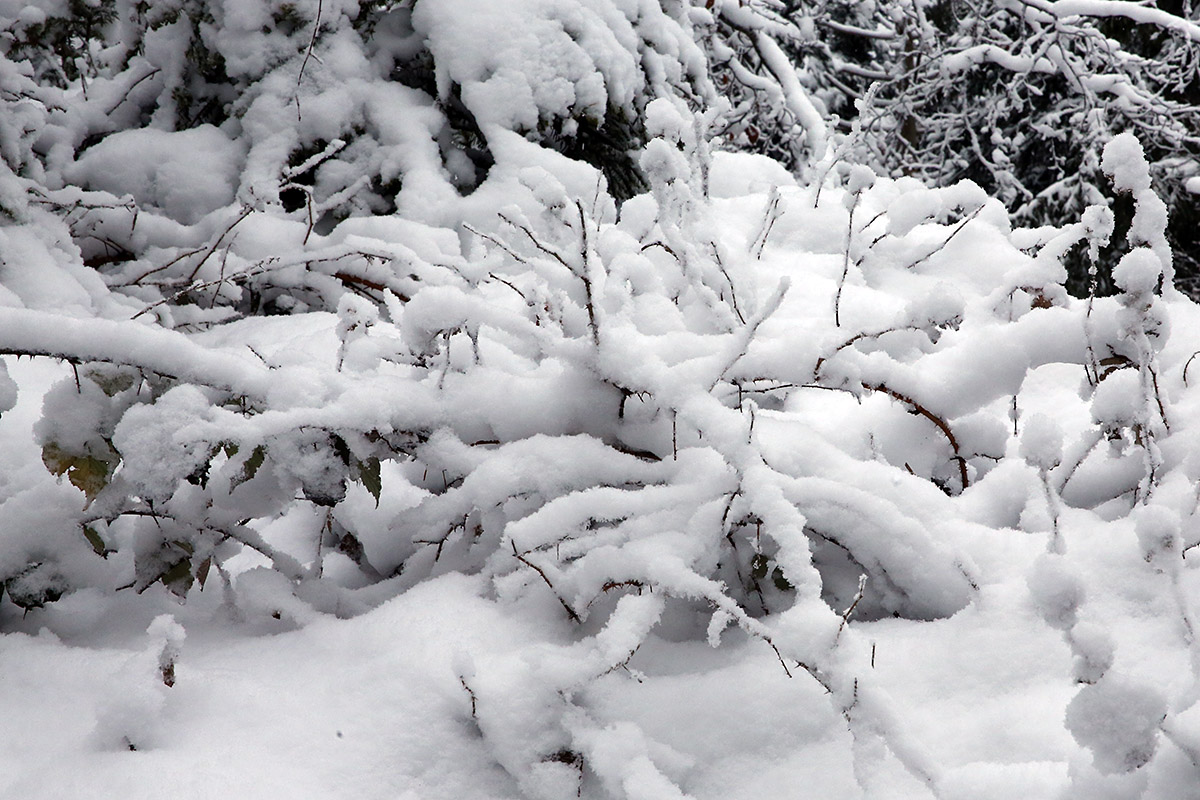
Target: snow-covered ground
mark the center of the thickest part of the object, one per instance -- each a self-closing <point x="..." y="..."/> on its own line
<point x="1024" y="631"/>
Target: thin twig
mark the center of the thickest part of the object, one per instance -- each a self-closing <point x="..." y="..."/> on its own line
<point x="246" y="211"/>
<point x="934" y="418"/>
<point x="837" y="299"/>
<point x="308" y="53"/>
<point x="770" y="215"/>
<point x="132" y="86"/>
<point x="570" y="611"/>
<point x="584" y="249"/>
<point x="537" y="243"/>
<point x="498" y="242"/>
<point x="1188" y="364"/>
<point x="953" y="233"/>
<point x="862" y="585"/>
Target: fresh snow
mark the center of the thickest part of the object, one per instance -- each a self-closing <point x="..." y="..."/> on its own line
<point x="337" y="464"/>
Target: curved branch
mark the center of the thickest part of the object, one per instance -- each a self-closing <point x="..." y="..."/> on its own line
<point x="27" y="332"/>
<point x="934" y="418"/>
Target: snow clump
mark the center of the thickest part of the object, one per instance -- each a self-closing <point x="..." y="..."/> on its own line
<point x="1056" y="590"/>
<point x="1042" y="442"/>
<point x="1118" y="720"/>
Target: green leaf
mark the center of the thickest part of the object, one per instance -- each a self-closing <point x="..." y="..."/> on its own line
<point x="340" y="448"/>
<point x="202" y="571"/>
<point x="95" y="540"/>
<point x="38" y="585"/>
<point x="111" y="380"/>
<point x="256" y="459"/>
<point x="780" y="580"/>
<point x="178" y="577"/>
<point x="371" y="479"/>
<point x="56" y="459"/>
<point x="250" y="466"/>
<point x="89" y="475"/>
<point x="86" y="472"/>
<point x="199" y="476"/>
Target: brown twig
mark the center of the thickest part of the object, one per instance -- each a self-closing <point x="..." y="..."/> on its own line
<point x="570" y="611"/>
<point x="1188" y="364"/>
<point x="308" y="53"/>
<point x="953" y="233"/>
<point x="934" y="418"/>
<point x="246" y="211"/>
<point x="584" y="246"/>
<point x="837" y="298"/>
<point x="470" y="693"/>
<point x="859" y="337"/>
<point x="862" y="585"/>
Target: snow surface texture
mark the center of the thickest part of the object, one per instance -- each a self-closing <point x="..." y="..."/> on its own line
<point x="742" y="486"/>
<point x="574" y="659"/>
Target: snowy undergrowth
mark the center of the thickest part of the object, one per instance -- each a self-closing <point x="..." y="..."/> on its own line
<point x="714" y="494"/>
<point x="388" y="453"/>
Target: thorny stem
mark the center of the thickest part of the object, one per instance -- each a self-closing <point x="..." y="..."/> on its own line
<point x="837" y="299"/>
<point x="570" y="611"/>
<point x="246" y="211"/>
<point x="664" y="246"/>
<point x="1162" y="410"/>
<point x="487" y="237"/>
<point x="536" y="242"/>
<point x="859" y="337"/>
<point x="751" y="330"/>
<point x="240" y="533"/>
<point x="1097" y="435"/>
<point x="862" y="585"/>
<point x="585" y="276"/>
<point x="1188" y="364"/>
<point x="308" y="205"/>
<point x="132" y="86"/>
<point x="308" y="53"/>
<point x="471" y="694"/>
<point x="733" y="301"/>
<point x="770" y="215"/>
<point x="1056" y="544"/>
<point x="935" y="419"/>
<point x="962" y="224"/>
<point x="72" y="359"/>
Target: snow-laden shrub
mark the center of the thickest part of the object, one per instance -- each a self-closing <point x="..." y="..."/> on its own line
<point x="646" y="419"/>
<point x="416" y="338"/>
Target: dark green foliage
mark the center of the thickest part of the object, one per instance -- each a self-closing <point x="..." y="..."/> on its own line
<point x="611" y="145"/>
<point x="205" y="96"/>
<point x="169" y="564"/>
<point x="462" y="133"/>
<point x="60" y="48"/>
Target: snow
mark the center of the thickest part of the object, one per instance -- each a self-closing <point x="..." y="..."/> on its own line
<point x="1056" y="591"/>
<point x="1042" y="442"/>
<point x="1118" y="721"/>
<point x="1118" y="401"/>
<point x="557" y="58"/>
<point x="8" y="389"/>
<point x="993" y="634"/>
<point x="453" y="485"/>
<point x="188" y="174"/>
<point x="1094" y="651"/>
<point x="1124" y="161"/>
